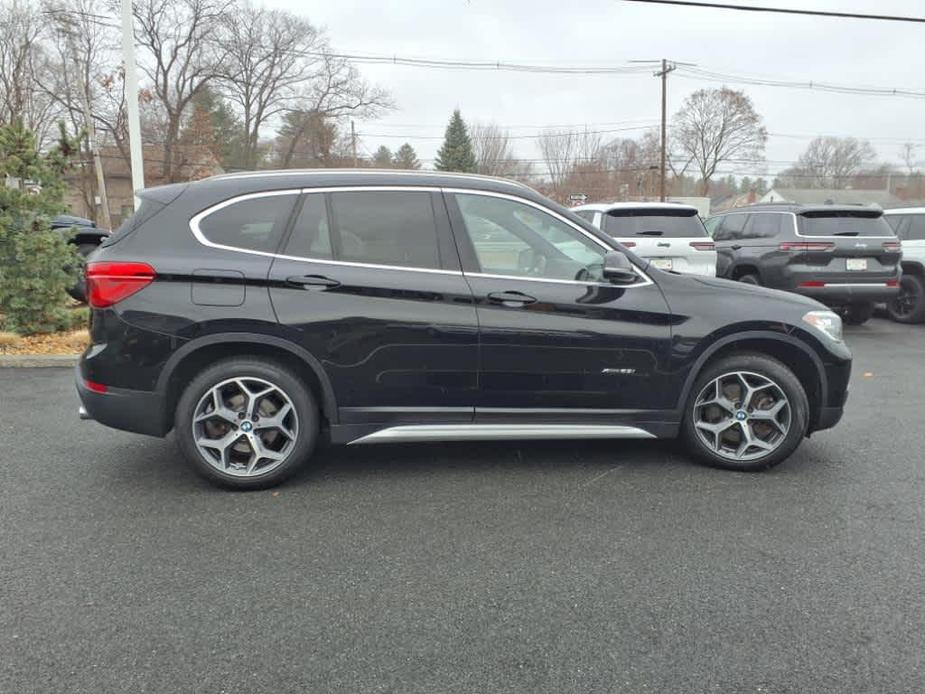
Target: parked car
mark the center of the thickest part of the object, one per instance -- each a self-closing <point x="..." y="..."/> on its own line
<point x="909" y="224"/>
<point x="845" y="256"/>
<point x="84" y="234"/>
<point x="668" y="235"/>
<point x="257" y="314"/>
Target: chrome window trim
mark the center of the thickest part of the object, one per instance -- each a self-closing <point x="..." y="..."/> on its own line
<point x="197" y="232"/>
<point x="194" y="225"/>
<point x="646" y="280"/>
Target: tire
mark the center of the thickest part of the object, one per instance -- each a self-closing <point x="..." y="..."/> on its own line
<point x="909" y="306"/>
<point x="233" y="460"/>
<point x="750" y="278"/>
<point x="715" y="448"/>
<point x="858" y="314"/>
<point x="78" y="292"/>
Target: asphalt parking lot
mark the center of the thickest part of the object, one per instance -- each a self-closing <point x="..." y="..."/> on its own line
<point x="571" y="567"/>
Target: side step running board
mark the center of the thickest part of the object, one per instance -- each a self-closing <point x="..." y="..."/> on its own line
<point x="497" y="432"/>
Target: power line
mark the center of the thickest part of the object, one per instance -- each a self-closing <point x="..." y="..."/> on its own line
<point x="510" y="137"/>
<point x="783" y="10"/>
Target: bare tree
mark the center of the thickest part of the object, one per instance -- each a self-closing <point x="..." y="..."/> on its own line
<point x="492" y="147"/>
<point x="715" y="126"/>
<point x="23" y="63"/>
<point x="830" y="162"/>
<point x="180" y="58"/>
<point x="267" y="62"/>
<point x="564" y="149"/>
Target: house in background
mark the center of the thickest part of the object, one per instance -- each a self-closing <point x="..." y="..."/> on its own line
<point x="193" y="162"/>
<point x="831" y="196"/>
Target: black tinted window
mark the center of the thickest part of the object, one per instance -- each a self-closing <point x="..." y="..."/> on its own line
<point x="847" y="223"/>
<point x="253" y="223"/>
<point x="732" y="227"/>
<point x="765" y="225"/>
<point x="386" y="228"/>
<point x="680" y="224"/>
<point x="311" y="237"/>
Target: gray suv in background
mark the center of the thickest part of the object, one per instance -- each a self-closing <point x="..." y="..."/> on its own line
<point x="844" y="256"/>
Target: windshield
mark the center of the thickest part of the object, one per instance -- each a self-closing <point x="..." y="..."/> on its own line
<point x="657" y="223"/>
<point x="850" y="223"/>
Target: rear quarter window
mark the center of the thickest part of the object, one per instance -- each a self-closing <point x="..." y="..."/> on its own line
<point x="250" y="223"/>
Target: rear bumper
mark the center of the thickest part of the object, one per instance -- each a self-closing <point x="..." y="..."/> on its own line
<point x="140" y="412"/>
<point x="840" y="293"/>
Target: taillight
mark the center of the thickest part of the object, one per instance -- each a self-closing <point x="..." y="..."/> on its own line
<point x="110" y="282"/>
<point x="812" y="283"/>
<point x="892" y="246"/>
<point x="628" y="244"/>
<point x="94" y="386"/>
<point x="892" y="283"/>
<point x="703" y="245"/>
<point x="804" y="246"/>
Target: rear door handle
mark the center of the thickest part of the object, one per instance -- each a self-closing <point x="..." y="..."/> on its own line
<point x="511" y="298"/>
<point x="736" y="247"/>
<point x="307" y="281"/>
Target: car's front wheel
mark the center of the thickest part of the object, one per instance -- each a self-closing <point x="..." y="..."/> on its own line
<point x="746" y="412"/>
<point x="909" y="305"/>
<point x="246" y="423"/>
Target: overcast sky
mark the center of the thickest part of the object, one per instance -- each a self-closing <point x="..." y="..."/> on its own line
<point x="612" y="32"/>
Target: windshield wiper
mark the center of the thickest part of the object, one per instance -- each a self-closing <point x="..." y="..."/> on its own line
<point x="845" y="233"/>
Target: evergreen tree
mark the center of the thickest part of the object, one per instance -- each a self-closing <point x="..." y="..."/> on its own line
<point x="382" y="159"/>
<point x="456" y="153"/>
<point x="37" y="264"/>
<point x="406" y="158"/>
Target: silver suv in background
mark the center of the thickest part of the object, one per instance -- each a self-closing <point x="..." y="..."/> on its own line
<point x="909" y="225"/>
<point x="668" y="235"/>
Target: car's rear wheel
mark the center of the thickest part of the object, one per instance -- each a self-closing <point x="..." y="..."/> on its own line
<point x="858" y="314"/>
<point x="909" y="305"/>
<point x="746" y="412"/>
<point x="246" y="423"/>
<point x="750" y="278"/>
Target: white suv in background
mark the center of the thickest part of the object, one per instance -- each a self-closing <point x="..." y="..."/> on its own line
<point x="909" y="225"/>
<point x="668" y="235"/>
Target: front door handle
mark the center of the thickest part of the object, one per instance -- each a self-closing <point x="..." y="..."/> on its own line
<point x="736" y="247"/>
<point x="307" y="281"/>
<point x="511" y="298"/>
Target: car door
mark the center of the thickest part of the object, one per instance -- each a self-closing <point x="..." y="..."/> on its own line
<point x="369" y="283"/>
<point x="728" y="238"/>
<point x="556" y="340"/>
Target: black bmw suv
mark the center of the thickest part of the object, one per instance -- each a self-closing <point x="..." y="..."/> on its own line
<point x="845" y="256"/>
<point x="258" y="314"/>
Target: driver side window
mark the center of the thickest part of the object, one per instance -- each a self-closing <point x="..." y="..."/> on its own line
<point x="516" y="239"/>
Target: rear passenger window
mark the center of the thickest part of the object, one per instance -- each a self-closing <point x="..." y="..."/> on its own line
<point x="765" y="225"/>
<point x="386" y="228"/>
<point x="311" y="236"/>
<point x="732" y="227"/>
<point x="254" y="224"/>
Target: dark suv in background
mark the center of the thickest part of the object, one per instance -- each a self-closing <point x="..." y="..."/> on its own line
<point x="847" y="257"/>
<point x="256" y="314"/>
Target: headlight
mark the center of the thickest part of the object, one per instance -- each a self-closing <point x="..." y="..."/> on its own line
<point x="827" y="322"/>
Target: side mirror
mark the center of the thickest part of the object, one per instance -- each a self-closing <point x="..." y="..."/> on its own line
<point x="618" y="268"/>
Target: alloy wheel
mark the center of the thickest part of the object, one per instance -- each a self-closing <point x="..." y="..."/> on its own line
<point x="245" y="426"/>
<point x="905" y="303"/>
<point x="742" y="416"/>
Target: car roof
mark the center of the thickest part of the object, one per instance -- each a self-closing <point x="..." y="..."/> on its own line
<point x="654" y="206"/>
<point x="798" y="209"/>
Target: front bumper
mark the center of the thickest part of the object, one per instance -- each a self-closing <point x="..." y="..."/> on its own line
<point x="140" y="412"/>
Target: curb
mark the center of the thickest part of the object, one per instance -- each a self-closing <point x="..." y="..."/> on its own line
<point x="34" y="361"/>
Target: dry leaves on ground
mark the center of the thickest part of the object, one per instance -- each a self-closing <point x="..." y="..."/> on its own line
<point x="73" y="342"/>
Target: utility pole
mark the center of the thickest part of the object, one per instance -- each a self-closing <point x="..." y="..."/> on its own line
<point x="667" y="67"/>
<point x="353" y="140"/>
<point x="131" y="99"/>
